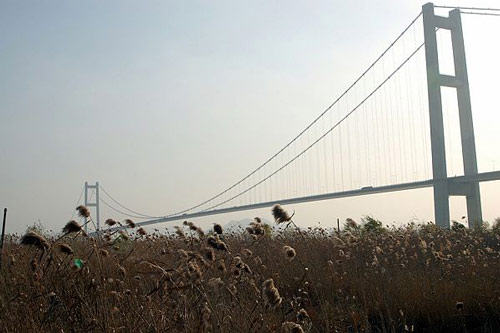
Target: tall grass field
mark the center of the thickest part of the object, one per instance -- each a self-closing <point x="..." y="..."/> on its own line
<point x="365" y="278"/>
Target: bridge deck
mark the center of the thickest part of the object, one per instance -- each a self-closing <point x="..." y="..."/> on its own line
<point x="480" y="177"/>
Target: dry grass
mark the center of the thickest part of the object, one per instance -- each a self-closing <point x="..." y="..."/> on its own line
<point x="414" y="278"/>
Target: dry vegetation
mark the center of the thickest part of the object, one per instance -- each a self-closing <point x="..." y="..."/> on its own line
<point x="370" y="279"/>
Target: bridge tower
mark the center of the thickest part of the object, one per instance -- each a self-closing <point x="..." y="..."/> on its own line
<point x="443" y="188"/>
<point x="95" y="203"/>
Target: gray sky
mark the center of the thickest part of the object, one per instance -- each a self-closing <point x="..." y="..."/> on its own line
<point x="168" y="102"/>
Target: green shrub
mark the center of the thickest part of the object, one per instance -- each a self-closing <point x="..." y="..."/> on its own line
<point x="370" y="224"/>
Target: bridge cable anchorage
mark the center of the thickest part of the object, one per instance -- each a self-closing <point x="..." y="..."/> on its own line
<point x="325" y="134"/>
<point x="119" y="211"/>
<point x="122" y="206"/>
<point x="306" y="129"/>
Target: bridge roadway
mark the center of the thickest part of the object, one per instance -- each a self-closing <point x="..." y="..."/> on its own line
<point x="457" y="180"/>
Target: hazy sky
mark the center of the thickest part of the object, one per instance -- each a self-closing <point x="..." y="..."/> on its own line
<point x="168" y="102"/>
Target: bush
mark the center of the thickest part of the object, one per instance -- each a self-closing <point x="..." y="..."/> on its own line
<point x="370" y="224"/>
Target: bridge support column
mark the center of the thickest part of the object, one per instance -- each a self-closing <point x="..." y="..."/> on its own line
<point x="93" y="204"/>
<point x="435" y="80"/>
<point x="474" y="213"/>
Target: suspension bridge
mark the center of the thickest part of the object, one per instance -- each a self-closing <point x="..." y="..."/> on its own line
<point x="385" y="133"/>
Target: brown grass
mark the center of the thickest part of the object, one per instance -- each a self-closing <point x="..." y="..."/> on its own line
<point x="414" y="278"/>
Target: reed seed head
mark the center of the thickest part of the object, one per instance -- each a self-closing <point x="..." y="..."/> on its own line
<point x="289" y="252"/>
<point x="221" y="246"/>
<point x="200" y="232"/>
<point x="280" y="215"/>
<point x="194" y="272"/>
<point x="32" y="238"/>
<point x="212" y="241"/>
<point x="218" y="229"/>
<point x="72" y="226"/>
<point x="209" y="254"/>
<point x="190" y="225"/>
<point x="247" y="253"/>
<point x="271" y="293"/>
<point x="179" y="232"/>
<point x="221" y="266"/>
<point x="129" y="223"/>
<point x="33" y="264"/>
<point x="65" y="248"/>
<point x="205" y="318"/>
<point x="302" y="315"/>
<point x="110" y="222"/>
<point x="215" y="283"/>
<point x="83" y="211"/>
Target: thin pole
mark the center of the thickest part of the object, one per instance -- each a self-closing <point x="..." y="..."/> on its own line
<point x="98" y="220"/>
<point x="86" y="203"/>
<point x="3" y="227"/>
<point x="3" y="235"/>
<point x="338" y="225"/>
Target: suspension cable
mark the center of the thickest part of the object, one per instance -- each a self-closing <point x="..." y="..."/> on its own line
<point x="477" y="13"/>
<point x="325" y="134"/>
<point x="122" y="206"/>
<point x="119" y="211"/>
<point x="469" y="8"/>
<point x="79" y="198"/>
<point x="308" y="127"/>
